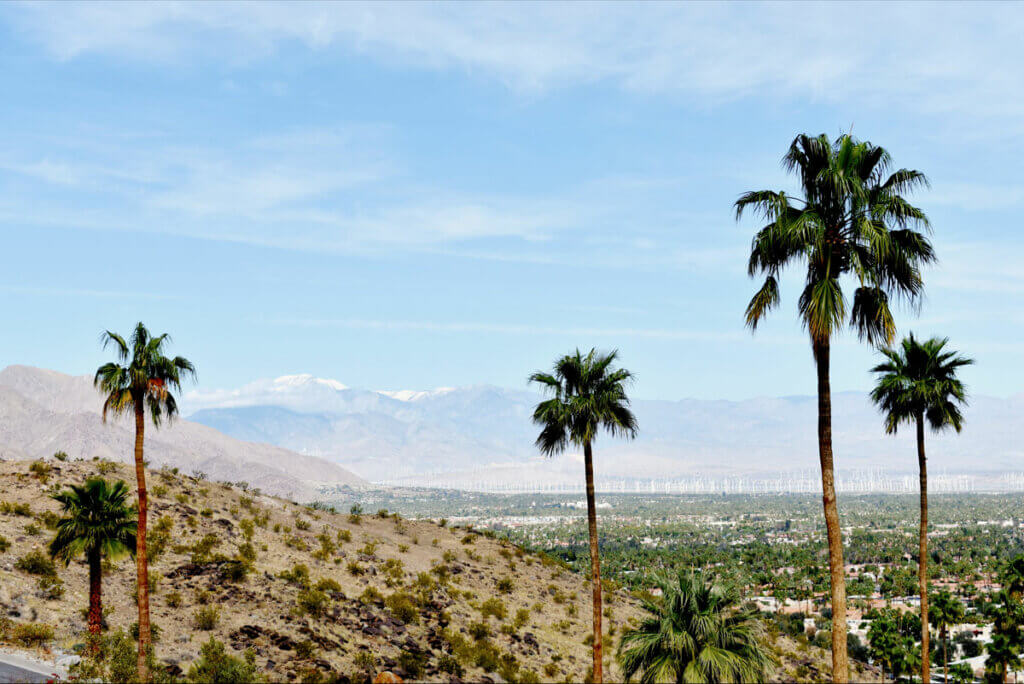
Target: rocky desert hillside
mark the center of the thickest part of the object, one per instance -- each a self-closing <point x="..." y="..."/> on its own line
<point x="327" y="591"/>
<point x="314" y="595"/>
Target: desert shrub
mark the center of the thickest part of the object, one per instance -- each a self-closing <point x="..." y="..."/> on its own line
<point x="154" y="631"/>
<point x="329" y="585"/>
<point x="173" y="599"/>
<point x="206" y="618"/>
<point x="394" y="571"/>
<point x="234" y="571"/>
<point x="443" y="522"/>
<point x="215" y="664"/>
<point x="22" y="509"/>
<point x="49" y="519"/>
<point x="505" y="585"/>
<point x="493" y="607"/>
<point x="413" y="664"/>
<point x="60" y="456"/>
<point x="261" y="518"/>
<point x="479" y="630"/>
<point x="448" y="556"/>
<point x="450" y="665"/>
<point x="4" y="544"/>
<point x="522" y="617"/>
<point x="206" y="512"/>
<point x="247" y="552"/>
<point x="355" y="569"/>
<point x="365" y="662"/>
<point x="382" y="513"/>
<point x="305" y="650"/>
<point x="32" y="530"/>
<point x="572" y="610"/>
<point x="370" y="595"/>
<point x="41" y="470"/>
<point x="344" y="536"/>
<point x="327" y="547"/>
<point x="36" y="562"/>
<point x="51" y="588"/>
<point x="296" y="542"/>
<point x="245" y="501"/>
<point x="302" y="524"/>
<point x="106" y="467"/>
<point x="403" y="548"/>
<point x="248" y="527"/>
<point x="202" y="548"/>
<point x="402" y="607"/>
<point x="469" y="539"/>
<point x="550" y="670"/>
<point x="299" y="574"/>
<point x="355" y="514"/>
<point x="369" y="549"/>
<point x="31" y="634"/>
<point x="313" y="602"/>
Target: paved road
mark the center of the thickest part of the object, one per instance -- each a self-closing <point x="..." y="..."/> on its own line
<point x="16" y="669"/>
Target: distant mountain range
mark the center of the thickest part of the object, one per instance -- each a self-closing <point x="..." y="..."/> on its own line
<point x="485" y="432"/>
<point x="44" y="411"/>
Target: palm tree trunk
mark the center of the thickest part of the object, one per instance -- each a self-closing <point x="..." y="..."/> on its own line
<point x="922" y="561"/>
<point x="840" y="665"/>
<point x="141" y="563"/>
<point x="595" y="559"/>
<point x="95" y="598"/>
<point x="945" y="654"/>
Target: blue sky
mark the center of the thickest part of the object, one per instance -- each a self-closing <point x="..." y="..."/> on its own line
<point x="421" y="195"/>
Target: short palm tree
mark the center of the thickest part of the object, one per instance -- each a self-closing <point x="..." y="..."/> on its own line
<point x="587" y="394"/>
<point x="853" y="220"/>
<point x="141" y="382"/>
<point x="945" y="611"/>
<point x="97" y="522"/>
<point x="696" y="632"/>
<point x="1003" y="656"/>
<point x="918" y="382"/>
<point x="1013" y="577"/>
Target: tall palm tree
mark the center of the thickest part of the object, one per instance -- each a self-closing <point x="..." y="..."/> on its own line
<point x="1003" y="656"/>
<point x="853" y="220"/>
<point x="97" y="522"/>
<point x="945" y="611"/>
<point x="918" y="382"/>
<point x="696" y="632"/>
<point x="587" y="394"/>
<point x="141" y="381"/>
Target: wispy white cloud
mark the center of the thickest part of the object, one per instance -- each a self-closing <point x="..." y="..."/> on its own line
<point x="937" y="58"/>
<point x="467" y="327"/>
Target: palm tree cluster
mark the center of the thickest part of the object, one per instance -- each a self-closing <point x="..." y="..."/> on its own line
<point x="851" y="225"/>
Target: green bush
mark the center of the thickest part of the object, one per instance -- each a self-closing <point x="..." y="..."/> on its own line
<point x="313" y="602"/>
<point x="329" y="585"/>
<point x="4" y="544"/>
<point x="36" y="563"/>
<point x="51" y="588"/>
<point x="60" y="456"/>
<point x="22" y="509"/>
<point x="302" y="524"/>
<point x="215" y="664"/>
<point x="493" y="607"/>
<point x="479" y="630"/>
<point x="299" y="575"/>
<point x="370" y="595"/>
<point x="402" y="607"/>
<point x="413" y="664"/>
<point x="173" y="599"/>
<point x="234" y="571"/>
<point x="305" y="650"/>
<point x="206" y="618"/>
<point x="505" y="585"/>
<point x="31" y="634"/>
